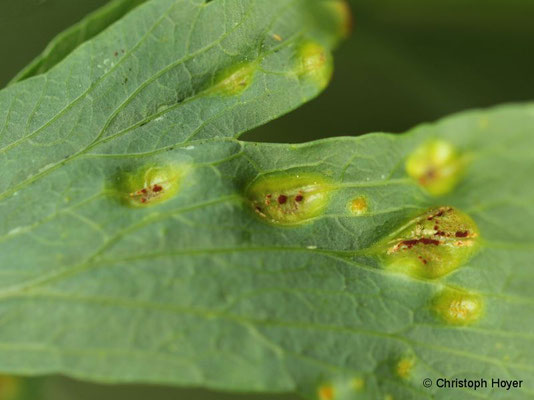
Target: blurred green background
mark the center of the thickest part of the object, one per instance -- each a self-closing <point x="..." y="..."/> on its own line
<point x="407" y="62"/>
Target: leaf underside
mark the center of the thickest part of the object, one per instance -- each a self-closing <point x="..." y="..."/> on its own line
<point x="198" y="289"/>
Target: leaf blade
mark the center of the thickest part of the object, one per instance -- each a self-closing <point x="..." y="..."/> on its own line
<point x="280" y="304"/>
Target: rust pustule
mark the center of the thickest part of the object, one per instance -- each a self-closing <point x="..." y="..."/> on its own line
<point x="286" y="199"/>
<point x="431" y="245"/>
<point x="151" y="184"/>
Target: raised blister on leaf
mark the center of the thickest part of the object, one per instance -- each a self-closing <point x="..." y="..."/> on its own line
<point x="358" y="205"/>
<point x="315" y="63"/>
<point x="151" y="185"/>
<point x="404" y="367"/>
<point x="458" y="307"/>
<point x="342" y="12"/>
<point x="287" y="199"/>
<point x="431" y="245"/>
<point x="234" y="80"/>
<point x="437" y="166"/>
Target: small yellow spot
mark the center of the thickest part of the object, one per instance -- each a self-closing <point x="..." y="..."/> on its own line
<point x="404" y="367"/>
<point x="9" y="387"/>
<point x="234" y="80"/>
<point x="437" y="166"/>
<point x="151" y="184"/>
<point x="458" y="307"/>
<point x="358" y="205"/>
<point x="388" y="397"/>
<point x="357" y="384"/>
<point x="277" y="37"/>
<point x="315" y="63"/>
<point x="326" y="392"/>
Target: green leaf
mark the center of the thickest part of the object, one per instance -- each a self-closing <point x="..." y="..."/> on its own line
<point x="140" y="241"/>
<point x="67" y="41"/>
<point x="169" y="72"/>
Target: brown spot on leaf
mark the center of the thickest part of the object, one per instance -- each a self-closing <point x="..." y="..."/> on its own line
<point x="413" y="242"/>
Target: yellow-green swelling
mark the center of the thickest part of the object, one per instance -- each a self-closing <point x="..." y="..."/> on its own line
<point x="437" y="166"/>
<point x="431" y="245"/>
<point x="235" y="79"/>
<point x="341" y="12"/>
<point x="150" y="185"/>
<point x="315" y="63"/>
<point x="404" y="367"/>
<point x="289" y="199"/>
<point x="359" y="205"/>
<point x="458" y="307"/>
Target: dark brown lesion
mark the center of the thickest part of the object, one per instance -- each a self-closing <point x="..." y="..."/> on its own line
<point x="259" y="211"/>
<point x="423" y="260"/>
<point x="413" y="242"/>
<point x="440" y="232"/>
